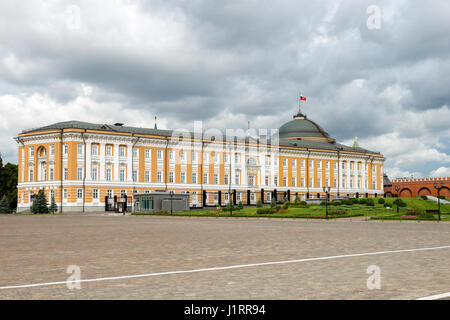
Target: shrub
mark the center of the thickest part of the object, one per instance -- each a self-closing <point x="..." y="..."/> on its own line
<point x="414" y="213"/>
<point x="424" y="214"/>
<point x="370" y="202"/>
<point x="400" y="202"/>
<point x="337" y="212"/>
<point x="286" y="205"/>
<point x="441" y="197"/>
<point x="273" y="203"/>
<point x="381" y="201"/>
<point x="266" y="210"/>
<point x="240" y="205"/>
<point x="423" y="197"/>
<point x="335" y="203"/>
<point x="387" y="204"/>
<point x="259" y="204"/>
<point x="277" y="208"/>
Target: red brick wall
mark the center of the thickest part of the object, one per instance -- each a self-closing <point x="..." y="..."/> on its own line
<point x="421" y="186"/>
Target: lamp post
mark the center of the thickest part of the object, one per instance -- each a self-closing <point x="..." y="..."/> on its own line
<point x="438" y="188"/>
<point x="171" y="195"/>
<point x="327" y="192"/>
<point x="397" y="188"/>
<point x="230" y="203"/>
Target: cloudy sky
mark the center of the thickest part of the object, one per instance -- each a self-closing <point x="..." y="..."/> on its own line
<point x="384" y="80"/>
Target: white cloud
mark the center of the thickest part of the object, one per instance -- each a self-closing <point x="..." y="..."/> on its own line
<point x="441" y="172"/>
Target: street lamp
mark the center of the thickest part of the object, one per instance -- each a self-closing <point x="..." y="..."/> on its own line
<point x="436" y="186"/>
<point x="327" y="192"/>
<point x="397" y="188"/>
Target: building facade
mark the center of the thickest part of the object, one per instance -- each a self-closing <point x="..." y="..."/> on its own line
<point x="83" y="165"/>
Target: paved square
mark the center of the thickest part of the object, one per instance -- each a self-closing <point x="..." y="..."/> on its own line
<point x="38" y="250"/>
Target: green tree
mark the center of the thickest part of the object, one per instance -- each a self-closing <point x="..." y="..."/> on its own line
<point x="53" y="206"/>
<point x="4" y="205"/>
<point x="8" y="182"/>
<point x="39" y="203"/>
<point x="259" y="204"/>
<point x="273" y="203"/>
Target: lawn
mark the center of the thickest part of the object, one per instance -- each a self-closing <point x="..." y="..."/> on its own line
<point x="318" y="211"/>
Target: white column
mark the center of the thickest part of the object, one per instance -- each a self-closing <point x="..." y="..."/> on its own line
<point x="88" y="161"/>
<point x="116" y="162"/>
<point x="129" y="162"/>
<point x="102" y="162"/>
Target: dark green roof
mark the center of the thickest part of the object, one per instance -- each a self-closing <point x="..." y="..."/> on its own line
<point x="302" y="127"/>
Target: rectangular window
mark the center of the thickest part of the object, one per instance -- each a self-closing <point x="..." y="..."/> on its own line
<point x="135" y="153"/>
<point x="194" y="177"/>
<point x="343" y="165"/>
<point x="327" y="182"/>
<point x="159" y="176"/>
<point x="109" y="193"/>
<point x="227" y="158"/>
<point x="216" y="158"/>
<point x="171" y="157"/>
<point x="266" y="180"/>
<point x="237" y="179"/>
<point x="65" y="193"/>
<point x="109" y="150"/>
<point x="205" y="178"/>
<point x="122" y="151"/>
<point x="123" y="193"/>
<point x="147" y="154"/>
<point x="194" y="156"/>
<point x="122" y="174"/>
<point x="182" y="177"/>
<point x="52" y="150"/>
<point x="284" y="181"/>
<point x="320" y="182"/>
<point x="335" y="183"/>
<point x="94" y="173"/>
<point x="311" y="183"/>
<point x="205" y="158"/>
<point x="51" y="174"/>
<point x="79" y="149"/>
<point x="159" y="154"/>
<point x="108" y="174"/>
<point x="294" y="182"/>
<point x="65" y="149"/>
<point x="310" y="165"/>
<point x="275" y="181"/>
<point x="267" y="161"/>
<point x="236" y="158"/>
<point x="294" y="163"/>
<point x="79" y="173"/>
<point x="303" y="163"/>
<point x="79" y="193"/>
<point x="226" y="178"/>
<point x="31" y="175"/>
<point x="95" y="194"/>
<point x="216" y="178"/>
<point x="147" y="176"/>
<point x="343" y="182"/>
<point x="183" y="156"/>
<point x="171" y="179"/>
<point x="66" y="174"/>
<point x="94" y="150"/>
<point x="135" y="175"/>
<point x="302" y="181"/>
<point x="335" y="166"/>
<point x="31" y="150"/>
<point x="327" y="165"/>
<point x="285" y="162"/>
<point x="374" y="185"/>
<point x="319" y="164"/>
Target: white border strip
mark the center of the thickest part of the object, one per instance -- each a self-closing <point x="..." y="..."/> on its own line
<point x="436" y="296"/>
<point x="220" y="268"/>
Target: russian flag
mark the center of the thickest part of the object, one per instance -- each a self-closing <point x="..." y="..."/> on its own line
<point x="302" y="98"/>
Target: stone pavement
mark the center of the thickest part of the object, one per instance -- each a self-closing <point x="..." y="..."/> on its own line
<point x="38" y="249"/>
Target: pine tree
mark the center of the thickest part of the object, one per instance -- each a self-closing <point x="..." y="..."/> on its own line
<point x="40" y="203"/>
<point x="4" y="205"/>
<point x="53" y="206"/>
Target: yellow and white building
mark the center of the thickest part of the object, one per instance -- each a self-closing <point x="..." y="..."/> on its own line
<point x="81" y="164"/>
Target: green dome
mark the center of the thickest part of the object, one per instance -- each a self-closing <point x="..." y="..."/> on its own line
<point x="302" y="128"/>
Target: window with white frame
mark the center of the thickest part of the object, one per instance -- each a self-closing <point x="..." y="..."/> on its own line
<point x="65" y="195"/>
<point x="216" y="178"/>
<point x="159" y="177"/>
<point x="122" y="151"/>
<point x="319" y="182"/>
<point x="226" y="158"/>
<point x="319" y="164"/>
<point x="135" y="175"/>
<point x="205" y="158"/>
<point x="267" y="160"/>
<point x="95" y="194"/>
<point x="52" y="174"/>
<point x="302" y="182"/>
<point x="303" y="163"/>
<point x="171" y="155"/>
<point x="66" y="174"/>
<point x="79" y="174"/>
<point x="216" y="158"/>
<point x="237" y="179"/>
<point x="226" y="178"/>
<point x="147" y="154"/>
<point x="147" y="176"/>
<point x="65" y="149"/>
<point x="94" y="173"/>
<point x="108" y="150"/>
<point x="205" y="178"/>
<point x="343" y="165"/>
<point x="266" y="180"/>
<point x="335" y="165"/>
<point x="275" y="181"/>
<point x="109" y="193"/>
<point x="294" y="182"/>
<point x="122" y="174"/>
<point x="285" y="161"/>
<point x="194" y="156"/>
<point x="79" y="149"/>
<point x="327" y="165"/>
<point x="311" y="183"/>
<point x="194" y="177"/>
<point x="311" y="165"/>
<point x="52" y="150"/>
<point x="31" y="152"/>
<point x="183" y="177"/>
<point x="171" y="177"/>
<point x="334" y="183"/>
<point x="135" y="153"/>
<point x="94" y="150"/>
<point x="159" y="154"/>
<point x="343" y="182"/>
<point x="182" y="155"/>
<point x="108" y="174"/>
<point x="294" y="163"/>
<point x="79" y="193"/>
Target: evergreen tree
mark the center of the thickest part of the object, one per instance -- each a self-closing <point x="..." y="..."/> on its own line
<point x="53" y="206"/>
<point x="40" y="203"/>
<point x="4" y="205"/>
<point x="273" y="202"/>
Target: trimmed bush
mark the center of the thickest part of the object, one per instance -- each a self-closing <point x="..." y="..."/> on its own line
<point x="400" y="202"/>
<point x="423" y="197"/>
<point x="266" y="210"/>
<point x="381" y="201"/>
<point x="259" y="204"/>
<point x="370" y="202"/>
<point x="240" y="205"/>
<point x="424" y="214"/>
<point x="337" y="212"/>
